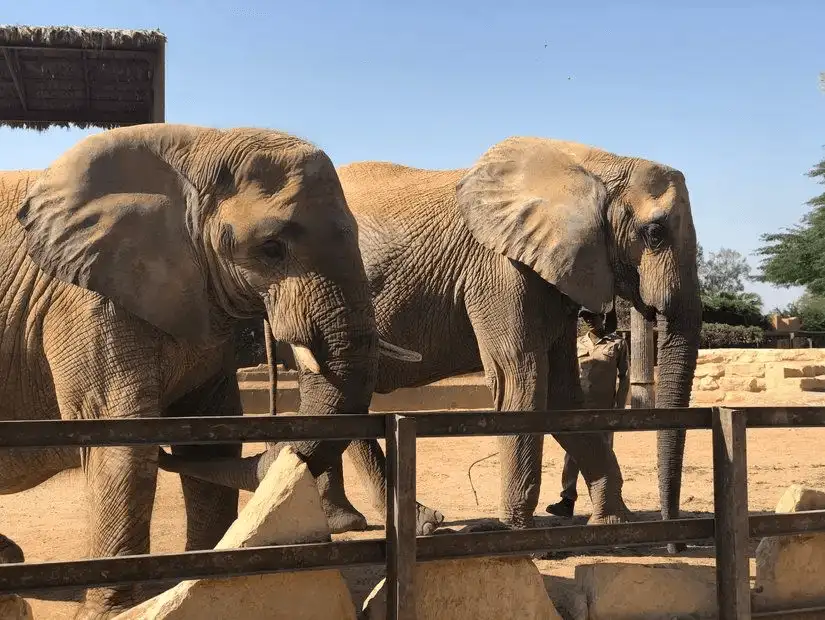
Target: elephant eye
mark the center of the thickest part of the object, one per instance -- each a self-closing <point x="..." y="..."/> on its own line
<point x="654" y="235"/>
<point x="273" y="249"/>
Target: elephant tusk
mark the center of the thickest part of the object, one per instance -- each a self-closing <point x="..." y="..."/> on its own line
<point x="305" y="359"/>
<point x="396" y="352"/>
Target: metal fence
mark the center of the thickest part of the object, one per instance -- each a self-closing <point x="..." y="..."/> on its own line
<point x="731" y="528"/>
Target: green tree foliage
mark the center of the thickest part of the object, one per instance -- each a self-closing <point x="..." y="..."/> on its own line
<point x="796" y="256"/>
<point x="724" y="271"/>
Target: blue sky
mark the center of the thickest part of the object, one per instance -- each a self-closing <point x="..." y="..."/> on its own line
<point x="725" y="91"/>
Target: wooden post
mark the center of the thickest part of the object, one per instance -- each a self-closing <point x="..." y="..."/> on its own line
<point x="730" y="499"/>
<point x="642" y="392"/>
<point x="272" y="367"/>
<point x="159" y="86"/>
<point x="401" y="517"/>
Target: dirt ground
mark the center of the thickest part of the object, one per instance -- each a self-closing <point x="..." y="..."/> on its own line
<point x="49" y="522"/>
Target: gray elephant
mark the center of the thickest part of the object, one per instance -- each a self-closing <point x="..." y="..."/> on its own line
<point x="127" y="263"/>
<point x="487" y="267"/>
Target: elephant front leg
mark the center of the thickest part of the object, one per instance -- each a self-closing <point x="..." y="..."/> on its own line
<point x="121" y="483"/>
<point x="518" y="383"/>
<point x="341" y="515"/>
<point x="210" y="508"/>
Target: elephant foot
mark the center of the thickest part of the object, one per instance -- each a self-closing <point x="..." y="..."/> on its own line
<point x="10" y="552"/>
<point x="427" y="520"/>
<point x="520" y="521"/>
<point x="624" y="516"/>
<point x="344" y="519"/>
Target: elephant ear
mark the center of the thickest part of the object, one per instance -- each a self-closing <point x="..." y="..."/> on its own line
<point x="111" y="216"/>
<point x="530" y="201"/>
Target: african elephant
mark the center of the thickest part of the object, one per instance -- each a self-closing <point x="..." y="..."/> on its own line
<point x="128" y="261"/>
<point x="486" y="268"/>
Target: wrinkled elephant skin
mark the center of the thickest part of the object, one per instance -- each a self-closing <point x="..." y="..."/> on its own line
<point x="128" y="261"/>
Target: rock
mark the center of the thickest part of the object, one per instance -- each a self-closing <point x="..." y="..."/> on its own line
<point x="789" y="569"/>
<point x="745" y="370"/>
<point x="567" y="597"/>
<point x="705" y="398"/>
<point x="14" y="607"/>
<point x="473" y="589"/>
<point x="739" y="384"/>
<point x="286" y="509"/>
<point x="624" y="591"/>
<point x="707" y="383"/>
<point x="709" y="370"/>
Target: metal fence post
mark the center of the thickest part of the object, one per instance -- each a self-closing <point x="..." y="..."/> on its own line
<point x="401" y="517"/>
<point x="730" y="499"/>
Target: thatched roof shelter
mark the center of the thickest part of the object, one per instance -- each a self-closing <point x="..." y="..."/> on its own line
<point x="82" y="77"/>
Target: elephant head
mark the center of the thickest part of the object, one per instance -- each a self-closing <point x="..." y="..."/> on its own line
<point x="191" y="228"/>
<point x="595" y="224"/>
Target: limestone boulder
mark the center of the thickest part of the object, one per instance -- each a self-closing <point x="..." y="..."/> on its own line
<point x="625" y="591"/>
<point x="13" y="607"/>
<point x="286" y="509"/>
<point x="790" y="569"/>
<point x="472" y="589"/>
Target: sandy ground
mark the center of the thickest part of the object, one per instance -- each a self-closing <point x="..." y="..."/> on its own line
<point x="49" y="522"/>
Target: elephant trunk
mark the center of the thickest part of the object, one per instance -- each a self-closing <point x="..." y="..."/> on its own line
<point x="340" y="368"/>
<point x="678" y="347"/>
<point x="244" y="474"/>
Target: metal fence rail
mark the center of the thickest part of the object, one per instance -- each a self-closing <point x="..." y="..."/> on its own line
<point x="730" y="528"/>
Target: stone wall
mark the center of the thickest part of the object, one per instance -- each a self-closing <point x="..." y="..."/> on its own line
<point x="769" y="377"/>
<point x="731" y="377"/>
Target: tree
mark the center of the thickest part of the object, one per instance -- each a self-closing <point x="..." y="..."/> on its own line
<point x="796" y="256"/>
<point x="724" y="271"/>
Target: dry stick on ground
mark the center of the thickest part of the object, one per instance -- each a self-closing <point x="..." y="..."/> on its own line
<point x="470" y="478"/>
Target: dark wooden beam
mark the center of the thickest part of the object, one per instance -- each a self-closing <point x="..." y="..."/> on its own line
<point x="124" y="53"/>
<point x="79" y="115"/>
<point x="14" y="70"/>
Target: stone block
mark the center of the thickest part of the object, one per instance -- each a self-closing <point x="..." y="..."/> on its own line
<point x="744" y="399"/>
<point x="285" y="509"/>
<point x="745" y="370"/>
<point x="14" y="607"/>
<point x="625" y="591"/>
<point x="790" y="569"/>
<point x="706" y="384"/>
<point x="704" y="399"/>
<point x="797" y="498"/>
<point x="739" y="384"/>
<point x="709" y="370"/>
<point x="473" y="589"/>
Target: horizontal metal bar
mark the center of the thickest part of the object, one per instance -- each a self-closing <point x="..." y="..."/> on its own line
<point x="200" y="430"/>
<point x="210" y="430"/>
<point x="27" y="577"/>
<point x="464" y="423"/>
<point x="259" y="560"/>
<point x="791" y="614"/>
<point x="784" y="524"/>
<point x="771" y="417"/>
<point x="574" y="537"/>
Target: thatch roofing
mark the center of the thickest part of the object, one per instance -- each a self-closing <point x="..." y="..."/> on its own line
<point x="83" y="77"/>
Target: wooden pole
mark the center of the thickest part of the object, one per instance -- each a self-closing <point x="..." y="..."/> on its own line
<point x="401" y="517"/>
<point x="730" y="500"/>
<point x="642" y="392"/>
